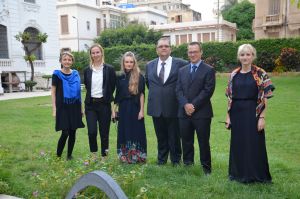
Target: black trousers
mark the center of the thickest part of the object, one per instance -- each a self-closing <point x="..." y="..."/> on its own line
<point x="187" y="130"/>
<point x="168" y="139"/>
<point x="62" y="142"/>
<point x="98" y="113"/>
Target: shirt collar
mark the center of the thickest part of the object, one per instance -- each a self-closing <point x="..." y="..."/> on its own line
<point x="166" y="61"/>
<point x="197" y="64"/>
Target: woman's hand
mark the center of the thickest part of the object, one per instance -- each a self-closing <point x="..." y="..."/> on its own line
<point x="113" y="114"/>
<point x="228" y="122"/>
<point x="141" y="115"/>
<point x="54" y="112"/>
<point x="261" y="124"/>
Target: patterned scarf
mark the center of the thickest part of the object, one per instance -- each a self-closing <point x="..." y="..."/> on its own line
<point x="71" y="86"/>
<point x="264" y="85"/>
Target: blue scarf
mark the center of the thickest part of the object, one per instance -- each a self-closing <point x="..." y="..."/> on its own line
<point x="71" y="86"/>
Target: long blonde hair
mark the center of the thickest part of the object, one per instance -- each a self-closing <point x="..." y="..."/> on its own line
<point x="134" y="73"/>
<point x="101" y="50"/>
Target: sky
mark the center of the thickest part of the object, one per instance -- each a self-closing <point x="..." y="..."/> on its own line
<point x="205" y="7"/>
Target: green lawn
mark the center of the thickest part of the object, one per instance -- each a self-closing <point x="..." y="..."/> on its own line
<point x="29" y="168"/>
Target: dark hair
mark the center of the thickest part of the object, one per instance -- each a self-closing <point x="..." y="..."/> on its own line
<point x="194" y="43"/>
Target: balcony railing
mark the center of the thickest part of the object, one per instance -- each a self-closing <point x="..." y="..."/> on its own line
<point x="5" y="63"/>
<point x="273" y="20"/>
<point x="37" y="63"/>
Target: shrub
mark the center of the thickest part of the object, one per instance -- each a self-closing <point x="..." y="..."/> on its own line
<point x="266" y="60"/>
<point x="290" y="58"/>
<point x="29" y="85"/>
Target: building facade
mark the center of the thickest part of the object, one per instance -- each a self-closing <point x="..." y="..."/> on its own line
<point x="198" y="31"/>
<point x="81" y="21"/>
<point x="35" y="16"/>
<point x="177" y="11"/>
<point x="276" y="19"/>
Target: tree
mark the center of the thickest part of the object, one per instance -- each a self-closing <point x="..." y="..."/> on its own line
<point x="228" y="4"/>
<point x="242" y="14"/>
<point x="129" y="35"/>
<point x="25" y="38"/>
<point x="298" y="2"/>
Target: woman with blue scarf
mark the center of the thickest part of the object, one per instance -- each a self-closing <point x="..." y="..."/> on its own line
<point x="66" y="103"/>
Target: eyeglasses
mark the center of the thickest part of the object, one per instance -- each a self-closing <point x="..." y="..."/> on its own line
<point x="193" y="52"/>
<point x="163" y="46"/>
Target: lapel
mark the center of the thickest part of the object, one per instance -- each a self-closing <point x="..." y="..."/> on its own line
<point x="154" y="67"/>
<point x="89" y="78"/>
<point x="105" y="71"/>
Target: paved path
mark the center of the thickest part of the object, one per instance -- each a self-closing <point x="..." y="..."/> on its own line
<point x="2" y="196"/>
<point x="18" y="95"/>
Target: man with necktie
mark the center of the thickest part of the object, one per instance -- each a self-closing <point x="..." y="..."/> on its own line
<point x="161" y="77"/>
<point x="195" y="87"/>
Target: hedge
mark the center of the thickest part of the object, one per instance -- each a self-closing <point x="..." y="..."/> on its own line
<point x="222" y="54"/>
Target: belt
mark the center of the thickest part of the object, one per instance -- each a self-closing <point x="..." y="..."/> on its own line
<point x="97" y="100"/>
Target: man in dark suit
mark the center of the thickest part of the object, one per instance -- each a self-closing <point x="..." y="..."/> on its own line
<point x="195" y="87"/>
<point x="161" y="77"/>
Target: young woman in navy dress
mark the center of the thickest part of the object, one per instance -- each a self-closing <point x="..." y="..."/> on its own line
<point x="130" y="96"/>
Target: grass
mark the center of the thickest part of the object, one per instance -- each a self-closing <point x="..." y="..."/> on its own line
<point x="29" y="168"/>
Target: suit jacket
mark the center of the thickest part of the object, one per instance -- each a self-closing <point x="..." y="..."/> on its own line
<point x="162" y="97"/>
<point x="197" y="91"/>
<point x="109" y="83"/>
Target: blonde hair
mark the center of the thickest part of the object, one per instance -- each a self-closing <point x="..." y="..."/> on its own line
<point x="134" y="74"/>
<point x="101" y="50"/>
<point x="246" y="48"/>
<point x="64" y="54"/>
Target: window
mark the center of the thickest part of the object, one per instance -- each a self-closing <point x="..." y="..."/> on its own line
<point x="274" y="7"/>
<point x="178" y="18"/>
<point x="64" y="26"/>
<point x="98" y="26"/>
<point x="29" y="1"/>
<point x="3" y="42"/>
<point x="183" y="39"/>
<point x="164" y="7"/>
<point x="115" y="21"/>
<point x="97" y="2"/>
<point x="88" y="25"/>
<point x="152" y="23"/>
<point x="34" y="42"/>
<point x="206" y="37"/>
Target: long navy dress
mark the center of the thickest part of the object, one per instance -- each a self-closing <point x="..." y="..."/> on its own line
<point x="248" y="161"/>
<point x="131" y="143"/>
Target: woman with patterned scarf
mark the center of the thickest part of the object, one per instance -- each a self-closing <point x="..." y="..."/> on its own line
<point x="248" y="89"/>
<point x="66" y="103"/>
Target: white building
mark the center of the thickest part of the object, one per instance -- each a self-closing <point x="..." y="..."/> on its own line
<point x="92" y="17"/>
<point x="202" y="31"/>
<point x="34" y="16"/>
<point x="146" y="15"/>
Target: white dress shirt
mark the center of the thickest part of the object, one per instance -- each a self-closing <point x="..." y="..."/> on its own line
<point x="168" y="66"/>
<point x="97" y="82"/>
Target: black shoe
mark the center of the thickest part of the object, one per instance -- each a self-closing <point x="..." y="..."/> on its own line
<point x="161" y="163"/>
<point x="187" y="164"/>
<point x="70" y="157"/>
<point x="207" y="171"/>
